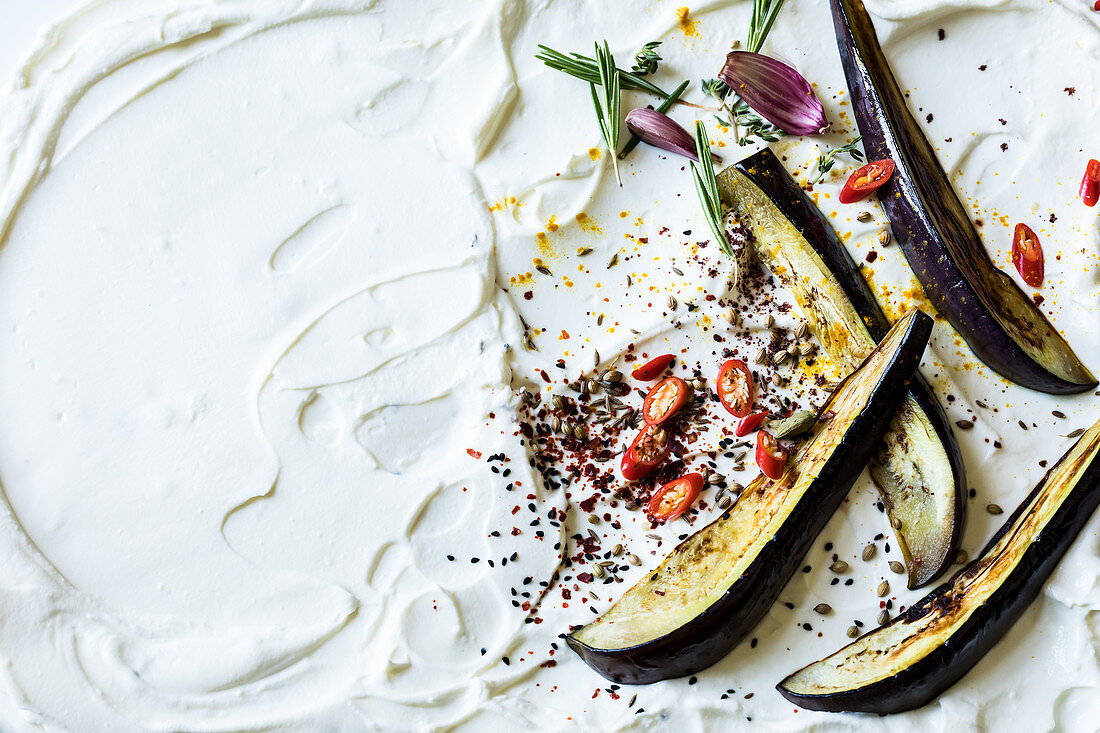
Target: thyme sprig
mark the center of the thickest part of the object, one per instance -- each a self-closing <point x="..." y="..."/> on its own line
<point x="706" y="185"/>
<point x="607" y="113"/>
<point x="827" y="160"/>
<point x="646" y="60"/>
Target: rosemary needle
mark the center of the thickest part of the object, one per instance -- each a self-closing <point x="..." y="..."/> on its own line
<point x="587" y="69"/>
<point x="706" y="185"/>
<point x="607" y="114"/>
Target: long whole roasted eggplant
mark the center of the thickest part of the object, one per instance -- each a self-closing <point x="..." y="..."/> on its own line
<point x="917" y="468"/>
<point x="1003" y="327"/>
<point x="717" y="584"/>
<point x="925" y="650"/>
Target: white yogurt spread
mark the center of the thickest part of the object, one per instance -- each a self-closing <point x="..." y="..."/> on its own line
<point x="261" y="289"/>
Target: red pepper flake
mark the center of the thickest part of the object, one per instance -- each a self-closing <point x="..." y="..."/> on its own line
<point x="475" y="454"/>
<point x="516" y="531"/>
<point x="584" y="577"/>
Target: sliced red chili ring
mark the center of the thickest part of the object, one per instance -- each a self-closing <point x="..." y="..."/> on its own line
<point x="1027" y="255"/>
<point x="675" y="497"/>
<point x="771" y="457"/>
<point x="735" y="387"/>
<point x="1090" y="184"/>
<point x="665" y="399"/>
<point x="750" y="423"/>
<point x="865" y="180"/>
<point x="648" y="450"/>
<point x="652" y="369"/>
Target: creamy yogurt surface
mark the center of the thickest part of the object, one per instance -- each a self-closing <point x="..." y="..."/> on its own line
<point x="269" y="279"/>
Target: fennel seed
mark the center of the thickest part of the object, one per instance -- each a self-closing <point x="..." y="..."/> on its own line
<point x="864" y="216"/>
<point x="884" y="237"/>
<point x="1075" y="433"/>
<point x="617" y="550"/>
<point x="581" y="252"/>
<point x="613" y="261"/>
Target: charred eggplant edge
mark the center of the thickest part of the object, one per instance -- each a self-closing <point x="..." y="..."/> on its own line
<point x="932" y="674"/>
<point x="765" y="171"/>
<point x="712" y="634"/>
<point x="927" y="218"/>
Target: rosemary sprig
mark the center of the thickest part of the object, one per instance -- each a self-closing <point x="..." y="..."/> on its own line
<point x="646" y="60"/>
<point x="607" y="114"/>
<point x="760" y="24"/>
<point x="587" y="69"/>
<point x="706" y="185"/>
<point x="662" y="107"/>
<point x="826" y="161"/>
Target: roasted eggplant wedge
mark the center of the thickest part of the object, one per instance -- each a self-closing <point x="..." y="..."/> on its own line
<point x="717" y="584"/>
<point x="925" y="650"/>
<point x="917" y="468"/>
<point x="1001" y="324"/>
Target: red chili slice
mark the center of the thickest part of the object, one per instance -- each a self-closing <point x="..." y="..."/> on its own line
<point x="1027" y="255"/>
<point x="1090" y="184"/>
<point x="664" y="399"/>
<point x="675" y="497"/>
<point x="648" y="450"/>
<point x="865" y="180"/>
<point x="770" y="456"/>
<point x="652" y="369"/>
<point x="735" y="387"/>
<point x="750" y="423"/>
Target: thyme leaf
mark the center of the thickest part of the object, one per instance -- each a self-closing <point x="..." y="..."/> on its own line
<point x="646" y="60"/>
<point x="827" y="160"/>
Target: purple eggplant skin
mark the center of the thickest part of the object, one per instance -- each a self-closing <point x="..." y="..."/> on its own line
<point x="764" y="169"/>
<point x="711" y="635"/>
<point x="1003" y="327"/>
<point x="950" y="660"/>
